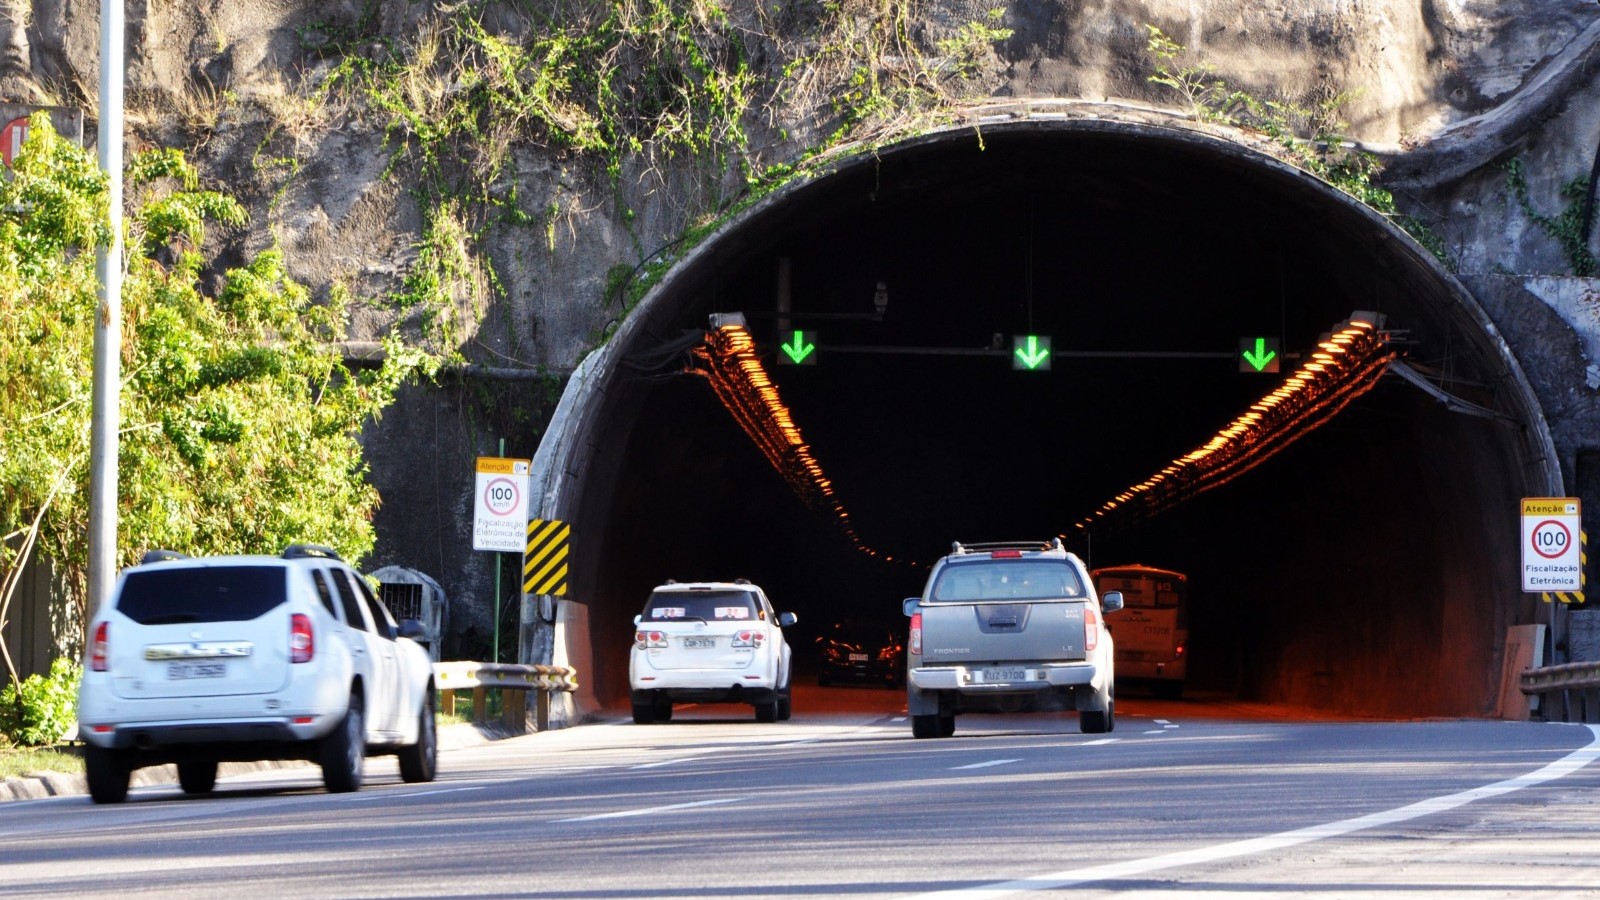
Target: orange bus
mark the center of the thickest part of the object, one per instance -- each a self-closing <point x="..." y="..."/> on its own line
<point x="1152" y="629"/>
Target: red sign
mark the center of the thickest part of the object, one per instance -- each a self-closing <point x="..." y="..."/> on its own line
<point x="11" y="138"/>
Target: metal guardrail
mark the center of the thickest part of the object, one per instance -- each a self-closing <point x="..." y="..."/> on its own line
<point x="1567" y="693"/>
<point x="514" y="680"/>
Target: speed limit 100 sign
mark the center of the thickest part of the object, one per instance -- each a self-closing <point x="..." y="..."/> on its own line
<point x="500" y="507"/>
<point x="1552" y="554"/>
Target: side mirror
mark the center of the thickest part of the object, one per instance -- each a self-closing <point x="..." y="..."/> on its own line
<point x="910" y="605"/>
<point x="637" y="620"/>
<point x="786" y="619"/>
<point x="1111" y="601"/>
<point x="412" y="629"/>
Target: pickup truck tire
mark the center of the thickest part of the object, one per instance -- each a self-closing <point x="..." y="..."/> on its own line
<point x="1098" y="721"/>
<point x="344" y="751"/>
<point x="107" y="774"/>
<point x="785" y="705"/>
<point x="947" y="726"/>
<point x="767" y="711"/>
<point x="928" y="726"/>
<point x="197" y="777"/>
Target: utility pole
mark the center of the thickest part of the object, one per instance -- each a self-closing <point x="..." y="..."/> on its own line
<point x="106" y="410"/>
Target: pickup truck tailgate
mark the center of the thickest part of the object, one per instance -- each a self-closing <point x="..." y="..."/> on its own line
<point x="1002" y="632"/>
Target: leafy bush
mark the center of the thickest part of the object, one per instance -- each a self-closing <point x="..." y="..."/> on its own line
<point x="43" y="709"/>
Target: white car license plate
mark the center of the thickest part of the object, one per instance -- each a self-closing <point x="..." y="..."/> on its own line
<point x="858" y="657"/>
<point x="179" y="671"/>
<point x="1003" y="676"/>
<point x="699" y="643"/>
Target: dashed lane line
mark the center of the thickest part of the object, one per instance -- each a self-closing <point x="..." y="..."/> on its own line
<point x="1568" y="764"/>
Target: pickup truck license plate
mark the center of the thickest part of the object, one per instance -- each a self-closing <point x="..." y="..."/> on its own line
<point x="180" y="671"/>
<point x="1003" y="675"/>
<point x="699" y="643"/>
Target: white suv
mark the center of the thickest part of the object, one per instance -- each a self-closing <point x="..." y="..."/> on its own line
<point x="709" y="641"/>
<point x="243" y="658"/>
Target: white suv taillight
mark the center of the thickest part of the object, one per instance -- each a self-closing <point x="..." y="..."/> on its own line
<point x="916" y="633"/>
<point x="749" y="638"/>
<point x="98" y="650"/>
<point x="302" y="646"/>
<point x="1091" y="628"/>
<point x="644" y="640"/>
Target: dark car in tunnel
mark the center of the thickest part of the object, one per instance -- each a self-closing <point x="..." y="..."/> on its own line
<point x="858" y="650"/>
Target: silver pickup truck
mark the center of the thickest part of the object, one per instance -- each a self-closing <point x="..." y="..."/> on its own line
<point x="1009" y="626"/>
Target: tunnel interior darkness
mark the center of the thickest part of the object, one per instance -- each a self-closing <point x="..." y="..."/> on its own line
<point x="1368" y="569"/>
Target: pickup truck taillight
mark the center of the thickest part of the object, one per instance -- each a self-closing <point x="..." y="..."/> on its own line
<point x="99" y="649"/>
<point x="916" y="633"/>
<point x="749" y="638"/>
<point x="301" y="644"/>
<point x="644" y="640"/>
<point x="1091" y="629"/>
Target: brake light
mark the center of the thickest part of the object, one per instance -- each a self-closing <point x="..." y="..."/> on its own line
<point x="302" y="646"/>
<point x="1178" y="650"/>
<point x="888" y="653"/>
<point x="1006" y="554"/>
<point x="644" y="640"/>
<point x="1091" y="628"/>
<point x="749" y="638"/>
<point x="916" y="633"/>
<point x="98" y="650"/>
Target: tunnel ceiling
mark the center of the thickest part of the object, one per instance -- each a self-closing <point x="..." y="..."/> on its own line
<point x="1107" y="240"/>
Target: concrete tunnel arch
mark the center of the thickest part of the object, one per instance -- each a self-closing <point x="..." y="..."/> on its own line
<point x="1381" y="558"/>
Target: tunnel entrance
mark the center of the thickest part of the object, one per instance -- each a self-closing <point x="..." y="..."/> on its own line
<point x="1370" y="568"/>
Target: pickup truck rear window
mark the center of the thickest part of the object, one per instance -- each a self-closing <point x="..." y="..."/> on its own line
<point x="1005" y="579"/>
<point x="209" y="594"/>
<point x="709" y="606"/>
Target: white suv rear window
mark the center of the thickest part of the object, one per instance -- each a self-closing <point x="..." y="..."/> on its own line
<point x="709" y="606"/>
<point x="208" y="594"/>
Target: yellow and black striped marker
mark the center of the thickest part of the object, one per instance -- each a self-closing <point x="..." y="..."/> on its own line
<point x="544" y="562"/>
<point x="1583" y="574"/>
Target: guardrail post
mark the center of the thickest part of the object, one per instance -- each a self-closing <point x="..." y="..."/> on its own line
<point x="514" y="710"/>
<point x="480" y="704"/>
<point x="541" y="711"/>
<point x="447" y="702"/>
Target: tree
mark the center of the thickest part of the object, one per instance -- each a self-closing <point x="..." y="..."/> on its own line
<point x="240" y="419"/>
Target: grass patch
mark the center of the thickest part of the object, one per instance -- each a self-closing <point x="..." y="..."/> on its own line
<point x="18" y="762"/>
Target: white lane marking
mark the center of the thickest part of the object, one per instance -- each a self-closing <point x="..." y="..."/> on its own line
<point x="1562" y="767"/>
<point x="1098" y="741"/>
<point x="667" y="762"/>
<point x="421" y="793"/>
<point x="649" y="811"/>
<point x="1169" y="726"/>
<point x="1159" y="721"/>
<point x="985" y="764"/>
<point x="1157" y="731"/>
<point x="897" y="719"/>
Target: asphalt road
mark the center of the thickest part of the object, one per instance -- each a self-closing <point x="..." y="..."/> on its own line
<point x="1197" y="799"/>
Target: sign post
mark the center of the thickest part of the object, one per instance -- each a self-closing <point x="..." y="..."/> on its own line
<point x="1552" y="545"/>
<point x="500" y="515"/>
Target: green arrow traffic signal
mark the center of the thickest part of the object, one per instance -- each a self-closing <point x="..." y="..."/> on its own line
<point x="1258" y="354"/>
<point x="1030" y="352"/>
<point x="802" y="351"/>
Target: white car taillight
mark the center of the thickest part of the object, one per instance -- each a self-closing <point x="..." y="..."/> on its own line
<point x="749" y="638"/>
<point x="1091" y="629"/>
<point x="99" y="649"/>
<point x="916" y="633"/>
<point x="644" y="640"/>
<point x="302" y="646"/>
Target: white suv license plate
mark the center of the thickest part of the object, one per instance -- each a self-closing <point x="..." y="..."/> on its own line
<point x="699" y="643"/>
<point x="1002" y="675"/>
<point x="182" y="671"/>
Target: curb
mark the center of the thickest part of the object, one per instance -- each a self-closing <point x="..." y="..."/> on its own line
<point x="43" y="785"/>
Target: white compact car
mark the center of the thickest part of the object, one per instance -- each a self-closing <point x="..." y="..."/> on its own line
<point x="244" y="658"/>
<point x="712" y="642"/>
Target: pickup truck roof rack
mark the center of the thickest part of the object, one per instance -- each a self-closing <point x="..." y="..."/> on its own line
<point x="1052" y="544"/>
<point x="155" y="556"/>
